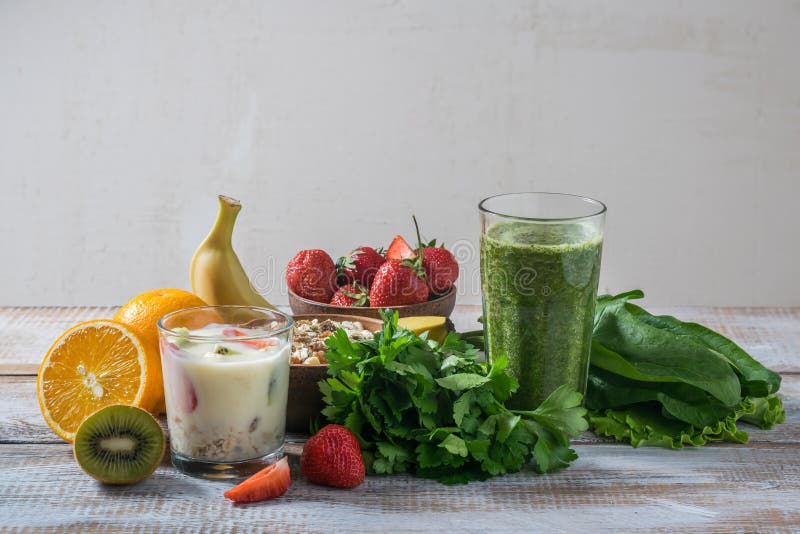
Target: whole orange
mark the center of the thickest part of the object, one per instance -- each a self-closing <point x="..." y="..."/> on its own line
<point x="141" y="315"/>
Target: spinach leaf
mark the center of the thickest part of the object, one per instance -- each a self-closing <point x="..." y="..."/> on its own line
<point x="756" y="379"/>
<point x="663" y="356"/>
<point x="679" y="400"/>
<point x="655" y="380"/>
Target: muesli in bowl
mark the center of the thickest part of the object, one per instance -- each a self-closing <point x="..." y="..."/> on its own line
<point x="309" y="366"/>
<point x="308" y="342"/>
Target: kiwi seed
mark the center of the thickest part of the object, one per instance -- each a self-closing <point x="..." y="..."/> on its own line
<point x="119" y="444"/>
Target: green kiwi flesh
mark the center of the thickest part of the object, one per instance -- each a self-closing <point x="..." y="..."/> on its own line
<point x="119" y="444"/>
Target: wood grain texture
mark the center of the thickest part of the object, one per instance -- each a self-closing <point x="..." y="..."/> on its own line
<point x="717" y="488"/>
<point x="27" y="333"/>
<point x="609" y="487"/>
<point x="772" y="335"/>
<point x="21" y="422"/>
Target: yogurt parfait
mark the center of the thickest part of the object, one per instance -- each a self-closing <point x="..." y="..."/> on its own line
<point x="226" y="384"/>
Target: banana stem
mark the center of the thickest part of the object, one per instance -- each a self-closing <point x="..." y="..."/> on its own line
<point x="229" y="209"/>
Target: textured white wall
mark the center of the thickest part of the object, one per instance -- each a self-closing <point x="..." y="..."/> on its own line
<point x="334" y="121"/>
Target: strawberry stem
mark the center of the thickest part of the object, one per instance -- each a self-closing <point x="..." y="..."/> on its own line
<point x="419" y="237"/>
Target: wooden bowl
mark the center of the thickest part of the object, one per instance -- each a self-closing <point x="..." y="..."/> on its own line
<point x="441" y="306"/>
<point x="305" y="400"/>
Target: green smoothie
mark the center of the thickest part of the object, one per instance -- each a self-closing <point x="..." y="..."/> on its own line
<point x="539" y="288"/>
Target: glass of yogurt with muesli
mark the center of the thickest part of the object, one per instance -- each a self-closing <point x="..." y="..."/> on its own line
<point x="226" y="382"/>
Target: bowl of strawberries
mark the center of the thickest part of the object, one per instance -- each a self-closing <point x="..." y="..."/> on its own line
<point x="412" y="281"/>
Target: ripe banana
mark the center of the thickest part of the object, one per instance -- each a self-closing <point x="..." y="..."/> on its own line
<point x="216" y="274"/>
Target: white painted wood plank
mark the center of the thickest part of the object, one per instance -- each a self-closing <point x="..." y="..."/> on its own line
<point x="21" y="421"/>
<point x="27" y="333"/>
<point x="771" y="335"/>
<point x="610" y="487"/>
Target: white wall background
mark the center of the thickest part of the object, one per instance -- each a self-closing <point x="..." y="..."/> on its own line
<point x="334" y="121"/>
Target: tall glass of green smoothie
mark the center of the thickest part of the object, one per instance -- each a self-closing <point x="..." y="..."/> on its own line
<point x="540" y="264"/>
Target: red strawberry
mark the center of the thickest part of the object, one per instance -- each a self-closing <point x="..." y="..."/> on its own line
<point x="399" y="249"/>
<point x="257" y="344"/>
<point x="439" y="264"/>
<point x="270" y="482"/>
<point x="311" y="274"/>
<point x="441" y="268"/>
<point x="186" y="396"/>
<point x="332" y="457"/>
<point x="351" y="295"/>
<point x="398" y="283"/>
<point x="361" y="265"/>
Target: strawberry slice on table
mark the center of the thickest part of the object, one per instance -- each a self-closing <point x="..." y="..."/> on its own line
<point x="399" y="249"/>
<point x="332" y="457"/>
<point x="360" y="265"/>
<point x="270" y="482"/>
<point x="399" y="283"/>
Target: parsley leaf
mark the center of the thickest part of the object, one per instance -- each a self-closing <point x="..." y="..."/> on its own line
<point x="433" y="410"/>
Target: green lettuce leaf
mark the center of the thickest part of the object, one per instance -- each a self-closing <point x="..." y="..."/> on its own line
<point x="767" y="412"/>
<point x="645" y="425"/>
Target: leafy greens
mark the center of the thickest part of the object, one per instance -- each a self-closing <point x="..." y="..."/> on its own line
<point x="655" y="380"/>
<point x="433" y="410"/>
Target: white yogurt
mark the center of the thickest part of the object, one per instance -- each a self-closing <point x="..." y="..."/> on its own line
<point x="226" y="401"/>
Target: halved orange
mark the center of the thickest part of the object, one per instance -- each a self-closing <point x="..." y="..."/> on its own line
<point x="90" y="366"/>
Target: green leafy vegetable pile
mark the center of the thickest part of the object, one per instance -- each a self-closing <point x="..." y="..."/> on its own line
<point x="431" y="409"/>
<point x="655" y="380"/>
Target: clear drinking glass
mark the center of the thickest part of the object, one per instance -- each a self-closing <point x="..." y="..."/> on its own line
<point x="540" y="264"/>
<point x="226" y="381"/>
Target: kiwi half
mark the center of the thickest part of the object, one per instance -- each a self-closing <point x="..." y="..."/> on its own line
<point x="119" y="444"/>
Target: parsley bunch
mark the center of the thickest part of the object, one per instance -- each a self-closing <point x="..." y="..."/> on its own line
<point x="431" y="409"/>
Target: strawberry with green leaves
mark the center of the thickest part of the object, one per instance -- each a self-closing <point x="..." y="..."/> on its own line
<point x="354" y="295"/>
<point x="399" y="283"/>
<point x="360" y="265"/>
<point x="439" y="264"/>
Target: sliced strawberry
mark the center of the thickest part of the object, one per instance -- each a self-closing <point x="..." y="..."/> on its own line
<point x="233" y="332"/>
<point x="399" y="249"/>
<point x="270" y="482"/>
<point x="190" y="399"/>
<point x="255" y="343"/>
<point x="179" y="379"/>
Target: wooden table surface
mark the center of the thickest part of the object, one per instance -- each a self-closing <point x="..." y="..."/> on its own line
<point x="721" y="487"/>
